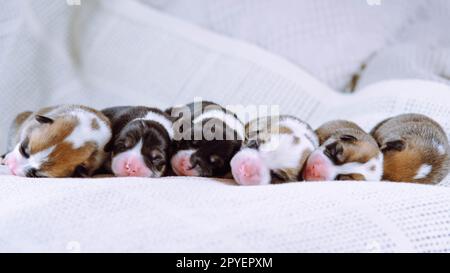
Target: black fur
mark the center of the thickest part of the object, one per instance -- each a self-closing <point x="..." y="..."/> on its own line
<point x="157" y="145"/>
<point x="211" y="157"/>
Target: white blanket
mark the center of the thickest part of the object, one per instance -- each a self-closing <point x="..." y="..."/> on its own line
<point x="333" y="39"/>
<point x="105" y="53"/>
<point x="202" y="215"/>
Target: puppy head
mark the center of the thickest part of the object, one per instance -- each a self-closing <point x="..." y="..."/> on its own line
<point x="348" y="154"/>
<point x="141" y="149"/>
<point x="48" y="151"/>
<point x="207" y="151"/>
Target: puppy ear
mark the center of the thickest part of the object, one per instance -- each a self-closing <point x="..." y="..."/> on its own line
<point x="44" y="119"/>
<point x="395" y="145"/>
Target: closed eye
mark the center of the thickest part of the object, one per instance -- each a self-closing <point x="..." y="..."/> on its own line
<point x="33" y="173"/>
<point x="23" y="150"/>
<point x="348" y="138"/>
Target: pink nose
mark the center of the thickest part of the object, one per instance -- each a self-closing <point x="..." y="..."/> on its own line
<point x="247" y="170"/>
<point x="317" y="169"/>
<point x="313" y="173"/>
<point x="11" y="162"/>
<point x="133" y="167"/>
<point x="183" y="166"/>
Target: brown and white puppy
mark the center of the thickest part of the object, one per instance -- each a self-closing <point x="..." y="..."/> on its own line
<point x="276" y="151"/>
<point x="60" y="141"/>
<point x="415" y="149"/>
<point x="207" y="137"/>
<point x="346" y="153"/>
<point x="141" y="142"/>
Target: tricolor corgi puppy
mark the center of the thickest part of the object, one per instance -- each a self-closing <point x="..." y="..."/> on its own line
<point x="415" y="149"/>
<point x="141" y="142"/>
<point x="207" y="137"/>
<point x="60" y="141"/>
<point x="276" y="151"/>
<point x="346" y="153"/>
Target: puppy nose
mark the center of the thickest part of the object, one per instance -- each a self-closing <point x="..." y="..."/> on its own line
<point x="131" y="169"/>
<point x="185" y="163"/>
<point x="10" y="162"/>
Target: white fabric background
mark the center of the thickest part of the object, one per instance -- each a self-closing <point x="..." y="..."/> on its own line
<point x="331" y="39"/>
<point x="108" y="54"/>
<point x="201" y="215"/>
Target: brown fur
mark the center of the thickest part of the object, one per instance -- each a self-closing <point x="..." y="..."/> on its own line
<point x="361" y="150"/>
<point x="419" y="136"/>
<point x="352" y="177"/>
<point x="94" y="124"/>
<point x="62" y="165"/>
<point x="64" y="159"/>
<point x="48" y="135"/>
<point x="20" y="119"/>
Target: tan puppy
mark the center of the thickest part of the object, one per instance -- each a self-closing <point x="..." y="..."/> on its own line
<point x="415" y="149"/>
<point x="346" y="153"/>
<point x="59" y="141"/>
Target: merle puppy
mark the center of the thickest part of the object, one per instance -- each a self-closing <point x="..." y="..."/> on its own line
<point x="142" y="141"/>
<point x="207" y="136"/>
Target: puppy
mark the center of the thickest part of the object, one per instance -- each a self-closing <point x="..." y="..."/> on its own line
<point x="415" y="149"/>
<point x="60" y="141"/>
<point x="207" y="137"/>
<point x="141" y="142"/>
<point x="346" y="153"/>
<point x="276" y="151"/>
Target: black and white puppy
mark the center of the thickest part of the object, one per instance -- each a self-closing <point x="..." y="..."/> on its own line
<point x="142" y="141"/>
<point x="207" y="136"/>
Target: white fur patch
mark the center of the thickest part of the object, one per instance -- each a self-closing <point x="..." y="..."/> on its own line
<point x="232" y="122"/>
<point x="441" y="149"/>
<point x="364" y="169"/>
<point x="36" y="160"/>
<point x="164" y="121"/>
<point x="280" y="152"/>
<point x="135" y="151"/>
<point x="423" y="171"/>
<point x="85" y="133"/>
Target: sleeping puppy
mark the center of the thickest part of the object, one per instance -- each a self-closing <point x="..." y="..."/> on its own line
<point x="346" y="153"/>
<point x="276" y="151"/>
<point x="141" y="142"/>
<point x="415" y="149"/>
<point x="60" y="141"/>
<point x="207" y="137"/>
